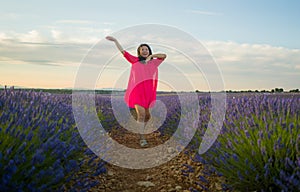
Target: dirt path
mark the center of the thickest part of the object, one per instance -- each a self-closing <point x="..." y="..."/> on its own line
<point x="171" y="176"/>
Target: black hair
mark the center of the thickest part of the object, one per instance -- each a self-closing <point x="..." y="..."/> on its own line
<point x="141" y="58"/>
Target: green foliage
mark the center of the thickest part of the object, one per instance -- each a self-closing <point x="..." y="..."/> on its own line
<point x="259" y="147"/>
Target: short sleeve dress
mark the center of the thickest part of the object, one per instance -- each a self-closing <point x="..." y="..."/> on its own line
<point x="142" y="83"/>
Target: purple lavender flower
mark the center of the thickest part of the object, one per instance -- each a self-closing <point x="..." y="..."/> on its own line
<point x="247" y="133"/>
<point x="235" y="157"/>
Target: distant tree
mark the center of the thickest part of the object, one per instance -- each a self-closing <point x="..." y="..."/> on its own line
<point x="294" y="90"/>
<point x="279" y="90"/>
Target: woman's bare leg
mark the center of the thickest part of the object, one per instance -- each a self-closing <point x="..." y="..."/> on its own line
<point x="147" y="115"/>
<point x="141" y="117"/>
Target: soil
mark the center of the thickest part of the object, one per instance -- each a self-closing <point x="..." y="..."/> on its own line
<point x="170" y="176"/>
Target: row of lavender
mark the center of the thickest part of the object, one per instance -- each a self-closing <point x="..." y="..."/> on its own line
<point x="40" y="147"/>
<point x="259" y="147"/>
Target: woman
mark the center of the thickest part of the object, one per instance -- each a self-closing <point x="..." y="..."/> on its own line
<point x="142" y="85"/>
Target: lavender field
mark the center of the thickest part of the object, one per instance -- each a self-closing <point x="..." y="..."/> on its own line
<point x="41" y="149"/>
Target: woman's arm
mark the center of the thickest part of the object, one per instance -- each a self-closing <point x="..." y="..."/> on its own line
<point x="110" y="38"/>
<point x="157" y="55"/>
<point x="132" y="59"/>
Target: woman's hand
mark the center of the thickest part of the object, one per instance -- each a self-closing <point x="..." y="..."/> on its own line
<point x="148" y="58"/>
<point x="110" y="38"/>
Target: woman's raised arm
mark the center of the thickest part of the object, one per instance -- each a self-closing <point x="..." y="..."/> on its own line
<point x="110" y="38"/>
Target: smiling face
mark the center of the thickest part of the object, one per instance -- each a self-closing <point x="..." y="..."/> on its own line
<point x="144" y="50"/>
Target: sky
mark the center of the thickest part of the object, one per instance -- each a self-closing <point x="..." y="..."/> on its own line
<point x="254" y="44"/>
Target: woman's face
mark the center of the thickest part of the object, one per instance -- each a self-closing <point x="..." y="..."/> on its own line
<point x="144" y="51"/>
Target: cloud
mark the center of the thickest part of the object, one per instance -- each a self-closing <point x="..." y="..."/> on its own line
<point x="32" y="36"/>
<point x="254" y="57"/>
<point x="61" y="32"/>
<point x="78" y="31"/>
<point x="256" y="65"/>
<point x="63" y="45"/>
<point x="32" y="48"/>
<point x="54" y="36"/>
<point x="78" y="35"/>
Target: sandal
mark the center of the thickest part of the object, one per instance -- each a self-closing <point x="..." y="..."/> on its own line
<point x="143" y="143"/>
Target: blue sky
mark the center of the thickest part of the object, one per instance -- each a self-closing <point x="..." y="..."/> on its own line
<point x="255" y="43"/>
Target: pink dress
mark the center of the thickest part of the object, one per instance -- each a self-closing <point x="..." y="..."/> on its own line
<point x="142" y="84"/>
